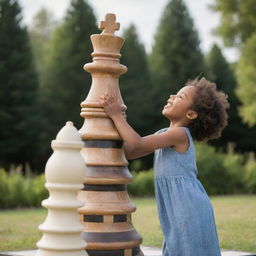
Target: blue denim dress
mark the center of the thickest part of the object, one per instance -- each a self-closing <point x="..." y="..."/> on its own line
<point x="185" y="211"/>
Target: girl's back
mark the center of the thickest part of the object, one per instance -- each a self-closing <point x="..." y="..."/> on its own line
<point x="171" y="163"/>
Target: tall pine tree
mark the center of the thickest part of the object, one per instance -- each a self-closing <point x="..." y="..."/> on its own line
<point x="65" y="83"/>
<point x="176" y="55"/>
<point x="40" y="31"/>
<point x="136" y="84"/>
<point x="136" y="89"/>
<point x="19" y="117"/>
<point x="222" y="74"/>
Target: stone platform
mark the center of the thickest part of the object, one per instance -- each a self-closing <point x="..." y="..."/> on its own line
<point x="148" y="251"/>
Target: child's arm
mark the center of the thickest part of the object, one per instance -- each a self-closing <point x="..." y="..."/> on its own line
<point x="134" y="145"/>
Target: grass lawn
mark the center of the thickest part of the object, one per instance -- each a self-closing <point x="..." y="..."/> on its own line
<point x="235" y="218"/>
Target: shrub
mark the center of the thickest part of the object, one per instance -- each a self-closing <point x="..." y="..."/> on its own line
<point x="17" y="190"/>
<point x="39" y="191"/>
<point x="250" y="174"/>
<point x="4" y="189"/>
<point x="212" y="172"/>
<point x="143" y="184"/>
<point x="219" y="172"/>
<point x="233" y="162"/>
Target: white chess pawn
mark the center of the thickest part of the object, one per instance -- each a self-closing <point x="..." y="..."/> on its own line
<point x="64" y="173"/>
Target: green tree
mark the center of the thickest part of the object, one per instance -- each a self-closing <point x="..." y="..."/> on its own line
<point x="237" y="28"/>
<point x="19" y="116"/>
<point x="238" y="20"/>
<point x="246" y="75"/>
<point x="65" y="83"/>
<point x="176" y="55"/>
<point x="40" y="32"/>
<point x="136" y="84"/>
<point x="223" y="75"/>
<point x="136" y="89"/>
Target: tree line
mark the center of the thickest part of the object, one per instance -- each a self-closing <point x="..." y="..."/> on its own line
<point x="42" y="82"/>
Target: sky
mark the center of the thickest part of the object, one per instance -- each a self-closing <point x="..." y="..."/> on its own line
<point x="145" y="14"/>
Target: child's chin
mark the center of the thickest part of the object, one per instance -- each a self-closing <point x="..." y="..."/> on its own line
<point x="164" y="113"/>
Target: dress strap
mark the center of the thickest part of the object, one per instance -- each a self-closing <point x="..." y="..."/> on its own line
<point x="187" y="132"/>
<point x="161" y="130"/>
<point x="191" y="142"/>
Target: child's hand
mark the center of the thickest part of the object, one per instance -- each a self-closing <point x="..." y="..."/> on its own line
<point x="112" y="106"/>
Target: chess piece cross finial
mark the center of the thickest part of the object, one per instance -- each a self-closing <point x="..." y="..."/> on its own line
<point x="109" y="26"/>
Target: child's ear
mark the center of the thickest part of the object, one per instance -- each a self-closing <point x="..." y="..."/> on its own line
<point x="191" y="114"/>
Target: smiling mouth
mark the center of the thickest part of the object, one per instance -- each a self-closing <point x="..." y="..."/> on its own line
<point x="168" y="105"/>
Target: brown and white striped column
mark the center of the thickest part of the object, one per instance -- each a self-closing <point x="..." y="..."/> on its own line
<point x="106" y="215"/>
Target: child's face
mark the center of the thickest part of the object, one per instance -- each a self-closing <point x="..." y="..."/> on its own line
<point x="178" y="106"/>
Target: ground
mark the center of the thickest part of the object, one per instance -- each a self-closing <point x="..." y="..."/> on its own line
<point x="235" y="219"/>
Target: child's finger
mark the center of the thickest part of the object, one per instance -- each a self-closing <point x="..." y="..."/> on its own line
<point x="111" y="99"/>
<point x="104" y="95"/>
<point x="102" y="102"/>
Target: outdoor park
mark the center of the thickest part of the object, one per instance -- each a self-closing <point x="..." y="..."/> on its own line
<point x="43" y="84"/>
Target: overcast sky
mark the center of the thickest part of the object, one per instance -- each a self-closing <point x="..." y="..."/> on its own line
<point x="145" y="14"/>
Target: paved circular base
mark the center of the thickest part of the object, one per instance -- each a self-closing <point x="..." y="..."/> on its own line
<point x="148" y="251"/>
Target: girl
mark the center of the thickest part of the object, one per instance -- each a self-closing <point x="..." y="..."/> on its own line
<point x="197" y="111"/>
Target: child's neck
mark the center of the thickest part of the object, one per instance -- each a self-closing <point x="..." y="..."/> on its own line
<point x="177" y="123"/>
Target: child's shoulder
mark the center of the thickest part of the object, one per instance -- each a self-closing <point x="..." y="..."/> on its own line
<point x="161" y="130"/>
<point x="186" y="129"/>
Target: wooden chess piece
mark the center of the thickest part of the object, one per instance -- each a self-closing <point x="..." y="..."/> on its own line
<point x="106" y="215"/>
<point x="64" y="175"/>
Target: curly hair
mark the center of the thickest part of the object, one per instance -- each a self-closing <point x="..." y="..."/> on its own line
<point x="211" y="106"/>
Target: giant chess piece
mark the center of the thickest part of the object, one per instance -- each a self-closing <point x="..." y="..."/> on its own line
<point x="106" y="215"/>
<point x="64" y="175"/>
